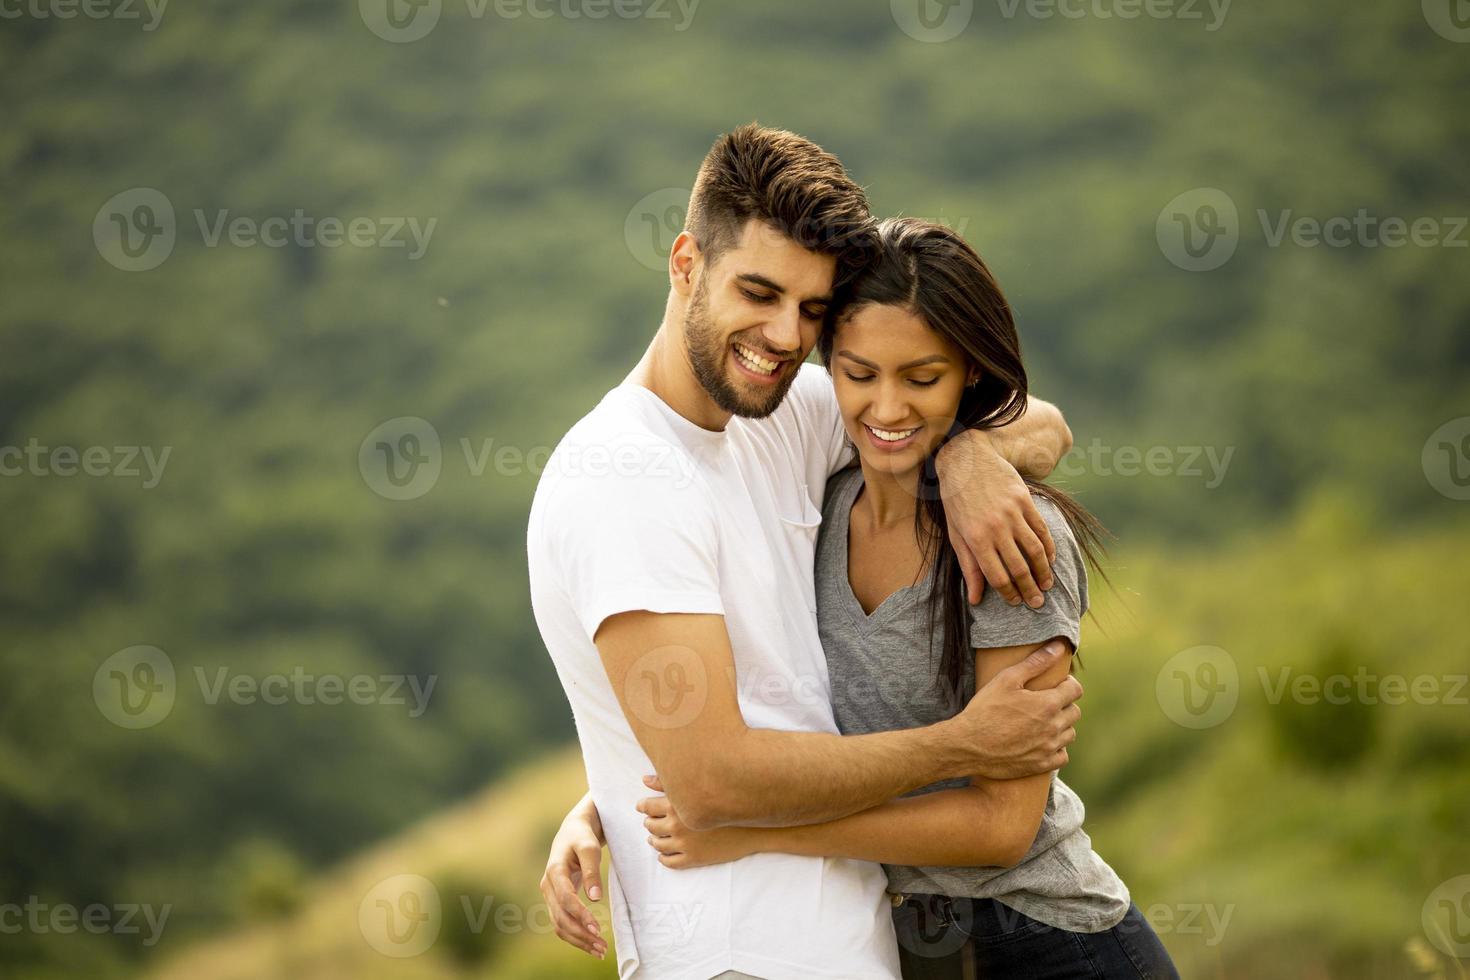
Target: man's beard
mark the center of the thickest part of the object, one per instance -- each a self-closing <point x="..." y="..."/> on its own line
<point x="707" y="353"/>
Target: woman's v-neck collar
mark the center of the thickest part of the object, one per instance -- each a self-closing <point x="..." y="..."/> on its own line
<point x="900" y="598"/>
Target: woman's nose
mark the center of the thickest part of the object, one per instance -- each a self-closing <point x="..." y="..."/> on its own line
<point x="890" y="406"/>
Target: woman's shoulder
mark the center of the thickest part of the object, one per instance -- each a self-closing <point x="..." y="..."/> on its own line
<point x="838" y="493"/>
<point x="995" y="622"/>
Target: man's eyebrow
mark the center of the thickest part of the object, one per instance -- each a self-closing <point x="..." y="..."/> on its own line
<point x="756" y="279"/>
<point x="931" y="359"/>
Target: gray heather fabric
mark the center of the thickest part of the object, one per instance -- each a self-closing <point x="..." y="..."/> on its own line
<point x="883" y="673"/>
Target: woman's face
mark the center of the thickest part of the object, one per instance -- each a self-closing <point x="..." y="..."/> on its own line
<point x="898" y="386"/>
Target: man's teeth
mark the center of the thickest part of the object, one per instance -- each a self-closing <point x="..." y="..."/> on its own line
<point x="754" y="361"/>
<point x="893" y="435"/>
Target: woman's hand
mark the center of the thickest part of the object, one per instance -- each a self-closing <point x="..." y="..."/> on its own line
<point x="576" y="860"/>
<point x="680" y="847"/>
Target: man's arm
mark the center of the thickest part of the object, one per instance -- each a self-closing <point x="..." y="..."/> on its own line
<point x="675" y="680"/>
<point x="991" y="823"/>
<point x="994" y="526"/>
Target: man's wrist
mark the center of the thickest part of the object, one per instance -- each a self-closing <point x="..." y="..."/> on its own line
<point x="971" y="444"/>
<point x="952" y="751"/>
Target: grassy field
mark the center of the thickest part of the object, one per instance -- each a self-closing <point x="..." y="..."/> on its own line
<point x="1286" y="836"/>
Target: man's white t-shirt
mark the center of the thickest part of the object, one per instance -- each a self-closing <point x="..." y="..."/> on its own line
<point x="639" y="508"/>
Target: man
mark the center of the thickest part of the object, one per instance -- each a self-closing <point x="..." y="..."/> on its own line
<point x="670" y="553"/>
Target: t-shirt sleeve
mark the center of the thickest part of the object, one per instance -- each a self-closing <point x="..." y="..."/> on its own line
<point x="815" y="404"/>
<point x="641" y="539"/>
<point x="997" y="623"/>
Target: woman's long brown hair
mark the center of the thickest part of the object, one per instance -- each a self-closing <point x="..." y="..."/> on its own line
<point x="932" y="272"/>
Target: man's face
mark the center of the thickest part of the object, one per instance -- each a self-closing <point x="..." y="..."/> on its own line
<point x="754" y="317"/>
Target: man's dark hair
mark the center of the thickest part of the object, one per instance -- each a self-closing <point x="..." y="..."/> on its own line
<point x="787" y="182"/>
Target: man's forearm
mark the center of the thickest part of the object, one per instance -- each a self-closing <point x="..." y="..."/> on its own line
<point x="776" y="778"/>
<point x="1035" y="442"/>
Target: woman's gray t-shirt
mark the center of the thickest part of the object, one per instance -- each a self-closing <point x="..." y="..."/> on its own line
<point x="883" y="675"/>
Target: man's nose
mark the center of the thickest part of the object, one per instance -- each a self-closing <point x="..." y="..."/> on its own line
<point x="783" y="332"/>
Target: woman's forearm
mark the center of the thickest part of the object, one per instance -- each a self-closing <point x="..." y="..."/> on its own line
<point x="968" y="827"/>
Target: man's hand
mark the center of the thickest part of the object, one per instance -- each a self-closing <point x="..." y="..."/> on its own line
<point x="1013" y="731"/>
<point x="680" y="847"/>
<point x="575" y="861"/>
<point x="994" y="526"/>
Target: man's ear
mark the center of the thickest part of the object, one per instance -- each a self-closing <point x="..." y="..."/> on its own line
<point x="684" y="258"/>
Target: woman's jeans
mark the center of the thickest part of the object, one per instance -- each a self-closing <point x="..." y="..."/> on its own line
<point x="943" y="938"/>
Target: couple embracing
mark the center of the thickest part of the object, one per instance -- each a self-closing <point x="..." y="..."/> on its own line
<point x="816" y="744"/>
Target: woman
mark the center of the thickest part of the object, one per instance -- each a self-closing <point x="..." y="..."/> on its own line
<point x="989" y="878"/>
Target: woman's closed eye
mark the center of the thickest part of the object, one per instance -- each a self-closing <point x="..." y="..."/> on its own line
<point x="920" y="382"/>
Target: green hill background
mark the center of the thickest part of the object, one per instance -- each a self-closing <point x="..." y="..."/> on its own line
<point x="550" y="154"/>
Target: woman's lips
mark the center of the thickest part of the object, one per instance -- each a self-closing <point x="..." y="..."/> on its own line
<point x="890" y="445"/>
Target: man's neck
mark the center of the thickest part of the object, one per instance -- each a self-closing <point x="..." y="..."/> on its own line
<point x="664" y="370"/>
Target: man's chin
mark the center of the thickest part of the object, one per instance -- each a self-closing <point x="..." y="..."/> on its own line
<point x="740" y="397"/>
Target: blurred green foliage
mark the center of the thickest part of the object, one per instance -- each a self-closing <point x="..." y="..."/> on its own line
<point x="1052" y="144"/>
